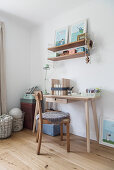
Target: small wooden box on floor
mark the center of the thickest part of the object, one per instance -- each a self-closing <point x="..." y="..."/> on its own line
<point x="28" y="106"/>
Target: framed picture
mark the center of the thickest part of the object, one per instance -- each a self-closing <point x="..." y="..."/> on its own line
<point x="81" y="37"/>
<point x="76" y="30"/>
<point x="61" y="36"/>
<point x="106" y="131"/>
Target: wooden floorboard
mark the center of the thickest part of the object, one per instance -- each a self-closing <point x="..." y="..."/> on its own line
<point x="19" y="153"/>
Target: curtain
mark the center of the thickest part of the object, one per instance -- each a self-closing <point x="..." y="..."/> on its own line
<point x="2" y="72"/>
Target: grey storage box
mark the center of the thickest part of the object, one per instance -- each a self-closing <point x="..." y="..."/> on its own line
<point x="50" y="129"/>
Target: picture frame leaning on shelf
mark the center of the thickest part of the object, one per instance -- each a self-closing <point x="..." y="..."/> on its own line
<point x="77" y="29"/>
<point x="61" y="36"/>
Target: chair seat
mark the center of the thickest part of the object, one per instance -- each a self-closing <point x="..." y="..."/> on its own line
<point x="54" y="117"/>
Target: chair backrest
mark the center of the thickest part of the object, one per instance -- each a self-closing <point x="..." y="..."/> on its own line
<point x="38" y="97"/>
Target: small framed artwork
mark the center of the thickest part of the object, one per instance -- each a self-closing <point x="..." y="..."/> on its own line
<point x="76" y="30"/>
<point x="81" y="37"/>
<point x="61" y="36"/>
<point x="107" y="131"/>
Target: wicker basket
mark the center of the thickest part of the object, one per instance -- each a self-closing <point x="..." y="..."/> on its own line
<point x="18" y="123"/>
<point x="5" y="126"/>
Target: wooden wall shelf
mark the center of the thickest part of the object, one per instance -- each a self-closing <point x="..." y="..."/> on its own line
<point x="65" y="57"/>
<point x="67" y="46"/>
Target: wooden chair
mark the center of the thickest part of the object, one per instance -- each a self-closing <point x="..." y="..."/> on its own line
<point x="50" y="118"/>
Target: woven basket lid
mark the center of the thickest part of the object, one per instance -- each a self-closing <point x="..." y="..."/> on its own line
<point x="16" y="113"/>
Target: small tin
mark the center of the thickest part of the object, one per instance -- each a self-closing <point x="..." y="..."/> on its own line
<point x="80" y="49"/>
<point x="72" y="51"/>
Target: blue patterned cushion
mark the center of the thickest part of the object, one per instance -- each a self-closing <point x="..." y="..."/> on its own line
<point x="54" y="117"/>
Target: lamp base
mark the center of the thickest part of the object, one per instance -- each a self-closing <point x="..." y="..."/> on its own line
<point x="45" y="92"/>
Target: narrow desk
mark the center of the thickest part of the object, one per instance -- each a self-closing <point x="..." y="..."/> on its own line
<point x="69" y="99"/>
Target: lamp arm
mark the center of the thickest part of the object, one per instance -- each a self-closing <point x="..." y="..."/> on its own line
<point x="45" y="80"/>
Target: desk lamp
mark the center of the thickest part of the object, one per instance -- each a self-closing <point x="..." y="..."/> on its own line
<point x="46" y="68"/>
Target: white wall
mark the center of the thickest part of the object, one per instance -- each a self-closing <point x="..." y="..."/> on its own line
<point x="36" y="74"/>
<point x="99" y="73"/>
<point x="17" y="58"/>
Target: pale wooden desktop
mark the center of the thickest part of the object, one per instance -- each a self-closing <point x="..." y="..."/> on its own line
<point x="69" y="99"/>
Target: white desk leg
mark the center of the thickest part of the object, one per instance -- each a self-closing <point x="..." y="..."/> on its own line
<point x="95" y="119"/>
<point x="87" y="125"/>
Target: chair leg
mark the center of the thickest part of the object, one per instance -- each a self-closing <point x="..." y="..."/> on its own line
<point x="68" y="137"/>
<point x="61" y="131"/>
<point x="40" y="138"/>
<point x="37" y="135"/>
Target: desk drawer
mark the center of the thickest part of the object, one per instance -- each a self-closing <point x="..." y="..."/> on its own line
<point x="56" y="100"/>
<point x="50" y="100"/>
<point x="61" y="100"/>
